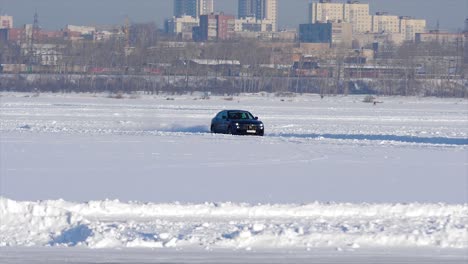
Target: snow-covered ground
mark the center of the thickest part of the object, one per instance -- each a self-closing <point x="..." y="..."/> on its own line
<point x="332" y="173"/>
<point x="112" y="224"/>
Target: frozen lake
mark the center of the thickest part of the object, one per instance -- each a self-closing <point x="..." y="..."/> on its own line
<point x="80" y="148"/>
<point x="334" y="180"/>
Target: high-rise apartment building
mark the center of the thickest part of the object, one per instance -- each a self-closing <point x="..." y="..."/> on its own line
<point x="260" y="10"/>
<point x="193" y="8"/>
<point x="6" y="22"/>
<point x="358" y="15"/>
<point x="385" y="23"/>
<point x="352" y="12"/>
<point x="205" y="7"/>
<point x="247" y="8"/>
<point x="409" y="27"/>
<point x="268" y="10"/>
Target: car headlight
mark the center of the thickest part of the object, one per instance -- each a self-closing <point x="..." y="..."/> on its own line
<point x="237" y="125"/>
<point x="261" y="125"/>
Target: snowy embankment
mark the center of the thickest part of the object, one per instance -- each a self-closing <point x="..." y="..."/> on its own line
<point x="113" y="224"/>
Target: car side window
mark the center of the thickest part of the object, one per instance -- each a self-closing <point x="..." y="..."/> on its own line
<point x="221" y="114"/>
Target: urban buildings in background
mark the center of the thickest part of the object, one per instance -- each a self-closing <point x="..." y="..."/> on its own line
<point x="260" y="10"/>
<point x="267" y="10"/>
<point x="256" y="19"/>
<point x="342" y="39"/>
<point x="214" y="27"/>
<point x="397" y="28"/>
<point x="193" y="8"/>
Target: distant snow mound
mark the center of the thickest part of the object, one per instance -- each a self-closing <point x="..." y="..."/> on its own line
<point x="113" y="224"/>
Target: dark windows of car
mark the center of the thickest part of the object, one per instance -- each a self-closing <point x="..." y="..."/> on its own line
<point x="240" y="115"/>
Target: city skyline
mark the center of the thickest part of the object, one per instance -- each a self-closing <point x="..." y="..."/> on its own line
<point x="54" y="14"/>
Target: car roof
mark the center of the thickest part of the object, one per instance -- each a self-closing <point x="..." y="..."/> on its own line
<point x="234" y="110"/>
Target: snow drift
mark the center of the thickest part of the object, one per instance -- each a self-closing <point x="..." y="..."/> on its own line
<point x="113" y="224"/>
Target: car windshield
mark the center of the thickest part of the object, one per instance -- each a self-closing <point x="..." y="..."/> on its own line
<point x="240" y="115"/>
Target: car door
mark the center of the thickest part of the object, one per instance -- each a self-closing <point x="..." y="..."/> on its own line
<point x="218" y="122"/>
<point x="224" y="123"/>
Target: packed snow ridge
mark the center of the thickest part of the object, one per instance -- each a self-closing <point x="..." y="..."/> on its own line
<point x="113" y="224"/>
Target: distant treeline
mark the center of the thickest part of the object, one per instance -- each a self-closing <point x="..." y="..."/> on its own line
<point x="128" y="84"/>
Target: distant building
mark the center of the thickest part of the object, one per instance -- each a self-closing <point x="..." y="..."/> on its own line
<point x="247" y="9"/>
<point x="335" y="34"/>
<point x="44" y="54"/>
<point x="193" y="8"/>
<point x="12" y="34"/>
<point x="358" y="15"/>
<point x="409" y="27"/>
<point x="214" y="27"/>
<point x="182" y="26"/>
<point x="6" y="22"/>
<point x="267" y="10"/>
<point x="4" y="34"/>
<point x="382" y="22"/>
<point x="253" y="25"/>
<point x="83" y="30"/>
<point x="443" y="38"/>
<point x="376" y="39"/>
<point x="268" y="36"/>
<point x="406" y="26"/>
<point x="352" y="12"/>
<point x="72" y="32"/>
<point x="263" y="11"/>
<point x="185" y="8"/>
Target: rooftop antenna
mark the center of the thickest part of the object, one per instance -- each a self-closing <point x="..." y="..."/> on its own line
<point x="32" y="40"/>
<point x="127" y="32"/>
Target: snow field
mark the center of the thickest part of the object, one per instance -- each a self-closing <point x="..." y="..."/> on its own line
<point x="305" y="116"/>
<point x="113" y="224"/>
<point x="395" y="173"/>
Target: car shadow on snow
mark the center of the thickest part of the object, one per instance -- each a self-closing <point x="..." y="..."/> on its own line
<point x="404" y="139"/>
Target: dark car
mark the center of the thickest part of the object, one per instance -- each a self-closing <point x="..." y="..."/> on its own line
<point x="237" y="122"/>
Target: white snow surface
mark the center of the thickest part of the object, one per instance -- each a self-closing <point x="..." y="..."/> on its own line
<point x="329" y="173"/>
<point x="113" y="224"/>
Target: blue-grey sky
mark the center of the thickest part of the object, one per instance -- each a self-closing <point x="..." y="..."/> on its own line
<point x="55" y="14"/>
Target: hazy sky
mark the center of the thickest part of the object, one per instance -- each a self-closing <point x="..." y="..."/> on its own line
<point x="55" y="14"/>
